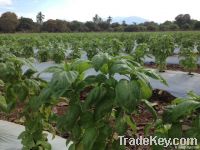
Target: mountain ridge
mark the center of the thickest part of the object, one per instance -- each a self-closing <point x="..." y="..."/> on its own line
<point x="129" y="20"/>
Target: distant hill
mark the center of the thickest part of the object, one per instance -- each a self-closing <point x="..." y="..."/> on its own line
<point x="129" y="20"/>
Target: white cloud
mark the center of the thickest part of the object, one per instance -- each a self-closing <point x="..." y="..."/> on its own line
<point x="156" y="10"/>
<point x="5" y="3"/>
<point x="83" y="10"/>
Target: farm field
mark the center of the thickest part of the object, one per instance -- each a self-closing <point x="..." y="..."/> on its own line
<point x="90" y="88"/>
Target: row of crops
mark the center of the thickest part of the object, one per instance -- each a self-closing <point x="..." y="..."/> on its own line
<point x="59" y="47"/>
<point x="95" y="121"/>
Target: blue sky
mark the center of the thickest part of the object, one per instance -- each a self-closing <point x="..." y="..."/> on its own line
<point x="156" y="10"/>
<point x="26" y="8"/>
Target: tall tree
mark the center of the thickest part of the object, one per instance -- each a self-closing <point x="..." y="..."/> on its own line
<point x="92" y="26"/>
<point x="183" y="20"/>
<point x="151" y="26"/>
<point x="49" y="26"/>
<point x="97" y="19"/>
<point x="104" y="25"/>
<point x="109" y="20"/>
<point x="197" y="25"/>
<point x="77" y="26"/>
<point x="124" y="23"/>
<point x="62" y="26"/>
<point x="40" y="17"/>
<point x="8" y="22"/>
<point x="26" y="24"/>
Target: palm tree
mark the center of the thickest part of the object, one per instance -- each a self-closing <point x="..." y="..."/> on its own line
<point x="40" y="17"/>
<point x="109" y="20"/>
<point x="124" y="23"/>
<point x="97" y="19"/>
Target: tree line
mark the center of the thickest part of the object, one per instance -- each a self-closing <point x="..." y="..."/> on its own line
<point x="10" y="23"/>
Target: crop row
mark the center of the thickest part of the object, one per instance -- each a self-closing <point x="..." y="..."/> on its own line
<point x="93" y="122"/>
<point x="61" y="47"/>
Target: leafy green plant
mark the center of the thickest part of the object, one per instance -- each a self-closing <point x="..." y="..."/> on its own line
<point x="76" y="53"/>
<point x="181" y="119"/>
<point x="116" y="46"/>
<point x="140" y="52"/>
<point x="16" y="50"/>
<point x="198" y="46"/>
<point x="161" y="47"/>
<point x="20" y="88"/>
<point x="43" y="54"/>
<point x="58" y="54"/>
<point x="129" y="45"/>
<point x="187" y="42"/>
<point x="17" y="86"/>
<point x="188" y="59"/>
<point x="28" y="51"/>
<point x="94" y="122"/>
<point x="91" y="47"/>
<point x="3" y="50"/>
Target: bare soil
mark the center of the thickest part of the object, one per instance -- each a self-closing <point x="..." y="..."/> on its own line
<point x="174" y="67"/>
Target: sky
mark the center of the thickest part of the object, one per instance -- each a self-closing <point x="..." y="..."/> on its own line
<point x="83" y="10"/>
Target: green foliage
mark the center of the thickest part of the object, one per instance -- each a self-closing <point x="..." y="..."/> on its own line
<point x="127" y="101"/>
<point x="140" y="52"/>
<point x="129" y="45"/>
<point x="75" y="47"/>
<point x="43" y="54"/>
<point x="105" y="112"/>
<point x="8" y="22"/>
<point x="161" y="46"/>
<point x="40" y="17"/>
<point x="91" y="48"/>
<point x="188" y="55"/>
<point x="181" y="119"/>
<point x="58" y="53"/>
<point x="18" y="88"/>
<point x="26" y="25"/>
<point x="107" y="106"/>
<point x="28" y="51"/>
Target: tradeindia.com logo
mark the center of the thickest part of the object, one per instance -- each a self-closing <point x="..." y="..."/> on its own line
<point x="181" y="143"/>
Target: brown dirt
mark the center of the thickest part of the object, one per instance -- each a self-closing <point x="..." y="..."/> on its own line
<point x="161" y="99"/>
<point x="14" y="116"/>
<point x="174" y="67"/>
